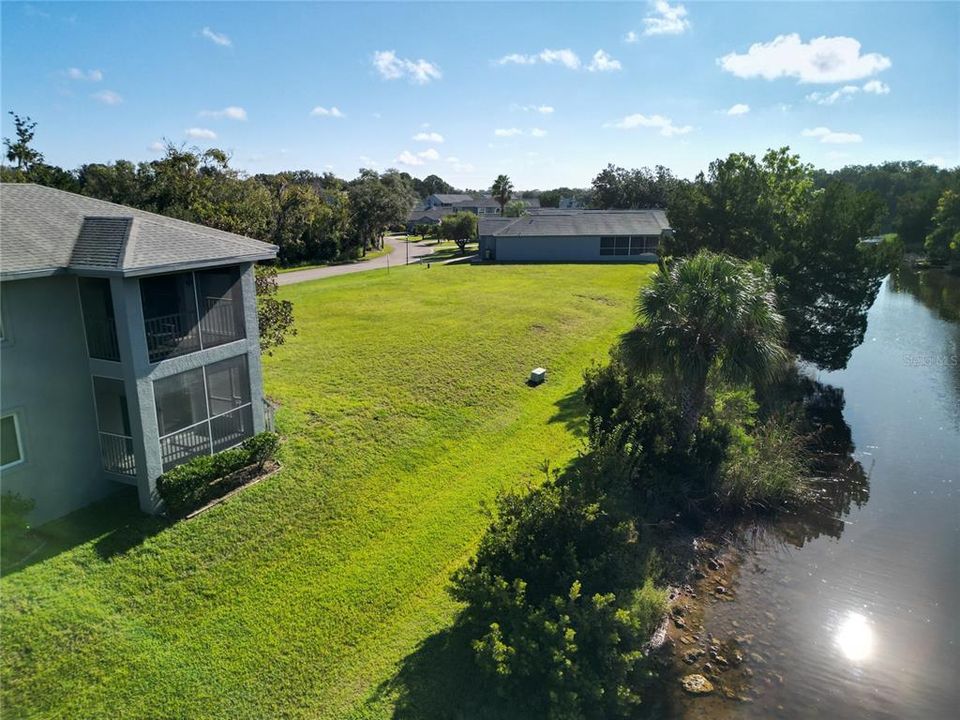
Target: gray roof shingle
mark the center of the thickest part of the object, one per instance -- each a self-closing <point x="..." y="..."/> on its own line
<point x="44" y="231"/>
<point x="586" y="222"/>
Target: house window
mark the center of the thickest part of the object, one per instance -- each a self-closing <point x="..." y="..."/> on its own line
<point x="186" y="312"/>
<point x="96" y="302"/>
<point x="113" y="422"/>
<point x="629" y="245"/>
<point x="11" y="446"/>
<point x="204" y="410"/>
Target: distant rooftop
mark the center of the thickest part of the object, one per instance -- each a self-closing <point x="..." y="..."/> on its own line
<point x="44" y="231"/>
<point x="546" y="223"/>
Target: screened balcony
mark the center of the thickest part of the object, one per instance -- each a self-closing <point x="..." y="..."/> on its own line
<point x="113" y="421"/>
<point x="186" y="312"/>
<point x="203" y="411"/>
<point x="99" y="325"/>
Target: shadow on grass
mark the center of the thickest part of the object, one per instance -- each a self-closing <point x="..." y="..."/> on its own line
<point x="572" y="412"/>
<point x="114" y="524"/>
<point x="441" y="681"/>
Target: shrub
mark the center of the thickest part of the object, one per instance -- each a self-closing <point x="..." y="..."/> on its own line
<point x="14" y="510"/>
<point x="194" y="483"/>
<point x="768" y="471"/>
<point x="559" y="604"/>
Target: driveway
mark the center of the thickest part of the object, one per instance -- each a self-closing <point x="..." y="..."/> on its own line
<point x="397" y="257"/>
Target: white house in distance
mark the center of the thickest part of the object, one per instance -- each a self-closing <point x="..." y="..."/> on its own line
<point x="129" y="345"/>
<point x="574" y="236"/>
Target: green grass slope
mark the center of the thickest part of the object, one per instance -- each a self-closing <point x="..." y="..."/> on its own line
<point x="404" y="408"/>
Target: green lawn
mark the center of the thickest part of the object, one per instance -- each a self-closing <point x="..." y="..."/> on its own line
<point x="404" y="407"/>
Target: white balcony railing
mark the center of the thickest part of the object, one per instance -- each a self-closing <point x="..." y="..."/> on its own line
<point x="207" y="436"/>
<point x="116" y="452"/>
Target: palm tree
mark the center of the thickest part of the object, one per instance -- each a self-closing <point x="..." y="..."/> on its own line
<point x="502" y="189"/>
<point x="707" y="314"/>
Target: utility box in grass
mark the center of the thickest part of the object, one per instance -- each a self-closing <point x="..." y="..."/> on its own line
<point x="538" y="376"/>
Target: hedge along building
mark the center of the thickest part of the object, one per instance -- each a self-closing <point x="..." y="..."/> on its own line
<point x="575" y="236"/>
<point x="129" y="345"/>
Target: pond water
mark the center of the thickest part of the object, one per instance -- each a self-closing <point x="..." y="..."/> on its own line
<point x="852" y="611"/>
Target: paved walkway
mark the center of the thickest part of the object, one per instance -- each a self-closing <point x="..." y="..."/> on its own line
<point x="397" y="257"/>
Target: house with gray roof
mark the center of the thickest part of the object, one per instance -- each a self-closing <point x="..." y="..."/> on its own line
<point x="479" y="205"/>
<point x="571" y="235"/>
<point x="129" y="344"/>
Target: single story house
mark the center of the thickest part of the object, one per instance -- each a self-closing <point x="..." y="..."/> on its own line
<point x="576" y="236"/>
<point x="129" y="345"/>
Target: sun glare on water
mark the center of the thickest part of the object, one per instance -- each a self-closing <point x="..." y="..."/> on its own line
<point x="855" y="637"/>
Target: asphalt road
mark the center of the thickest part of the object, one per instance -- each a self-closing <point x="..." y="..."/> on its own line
<point x="397" y="257"/>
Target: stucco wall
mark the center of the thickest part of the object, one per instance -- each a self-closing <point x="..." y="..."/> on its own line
<point x="45" y="379"/>
<point x="569" y="248"/>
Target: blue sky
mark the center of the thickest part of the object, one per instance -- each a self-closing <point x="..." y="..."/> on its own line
<point x="548" y="93"/>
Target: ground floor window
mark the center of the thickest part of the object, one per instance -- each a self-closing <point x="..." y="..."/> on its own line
<point x="204" y="410"/>
<point x="11" y="446"/>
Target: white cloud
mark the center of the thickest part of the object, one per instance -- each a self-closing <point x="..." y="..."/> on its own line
<point x="566" y="57"/>
<point x="664" y="124"/>
<point x="88" y="75"/>
<point x="231" y="113"/>
<point x="665" y="19"/>
<point x="157" y="146"/>
<point x="844" y="93"/>
<point x="408" y="158"/>
<point x="320" y="111"/>
<point x="738" y="109"/>
<point x="216" y="38"/>
<point x="631" y="37"/>
<point x="602" y="62"/>
<point x="822" y="60"/>
<point x="200" y="134"/>
<point x="391" y="67"/>
<point x="432" y="137"/>
<point x="368" y="162"/>
<point x="542" y="109"/>
<point x="107" y="97"/>
<point x="538" y="132"/>
<point x="517" y="59"/>
<point x="876" y="87"/>
<point x="826" y="135"/>
<point x="507" y="132"/>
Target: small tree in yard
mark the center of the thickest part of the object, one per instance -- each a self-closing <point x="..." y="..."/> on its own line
<point x="274" y="316"/>
<point x="460" y="227"/>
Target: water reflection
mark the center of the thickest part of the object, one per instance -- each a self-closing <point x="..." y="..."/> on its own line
<point x="839" y="481"/>
<point x="855" y="637"/>
<point x="885" y="573"/>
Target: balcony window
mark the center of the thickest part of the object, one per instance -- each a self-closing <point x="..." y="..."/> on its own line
<point x="203" y="411"/>
<point x="170" y="315"/>
<point x="113" y="421"/>
<point x="96" y="303"/>
<point x="220" y="302"/>
<point x="186" y="312"/>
